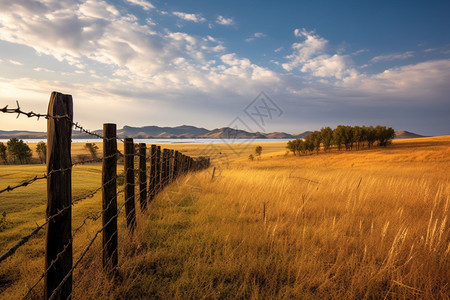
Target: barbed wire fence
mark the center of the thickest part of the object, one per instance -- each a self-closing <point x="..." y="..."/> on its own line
<point x="165" y="166"/>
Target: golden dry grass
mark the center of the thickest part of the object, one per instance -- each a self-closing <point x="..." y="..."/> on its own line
<point x="368" y="224"/>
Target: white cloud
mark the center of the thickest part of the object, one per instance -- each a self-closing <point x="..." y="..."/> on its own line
<point x="142" y="3"/>
<point x="311" y="46"/>
<point x="224" y="21"/>
<point x="422" y="81"/>
<point x="256" y="35"/>
<point x="14" y="62"/>
<point x="125" y="60"/>
<point x="40" y="69"/>
<point x="309" y="57"/>
<point x="390" y="57"/>
<point x="329" y="66"/>
<point x="278" y="49"/>
<point x="189" y="17"/>
<point x="357" y="52"/>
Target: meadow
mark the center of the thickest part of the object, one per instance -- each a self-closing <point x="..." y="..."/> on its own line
<point x="366" y="224"/>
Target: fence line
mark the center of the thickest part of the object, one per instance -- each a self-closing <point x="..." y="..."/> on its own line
<point x="165" y="167"/>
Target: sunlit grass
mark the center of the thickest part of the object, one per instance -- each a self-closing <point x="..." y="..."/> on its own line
<point x="365" y="224"/>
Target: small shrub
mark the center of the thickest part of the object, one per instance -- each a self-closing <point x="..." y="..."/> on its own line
<point x="92" y="148"/>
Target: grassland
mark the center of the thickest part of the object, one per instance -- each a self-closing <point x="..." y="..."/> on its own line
<point x="364" y="224"/>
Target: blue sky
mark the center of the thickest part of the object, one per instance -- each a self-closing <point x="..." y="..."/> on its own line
<point x="168" y="63"/>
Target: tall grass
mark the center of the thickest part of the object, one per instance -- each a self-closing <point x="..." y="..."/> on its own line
<point x="368" y="224"/>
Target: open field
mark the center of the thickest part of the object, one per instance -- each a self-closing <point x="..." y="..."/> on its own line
<point x="361" y="224"/>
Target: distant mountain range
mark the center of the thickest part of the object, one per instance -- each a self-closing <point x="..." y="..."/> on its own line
<point x="180" y="132"/>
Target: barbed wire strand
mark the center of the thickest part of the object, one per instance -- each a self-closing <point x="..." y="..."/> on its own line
<point x="27" y="182"/>
<point x="58" y="256"/>
<point x="32" y="114"/>
<point x="26" y="238"/>
<point x="56" y="290"/>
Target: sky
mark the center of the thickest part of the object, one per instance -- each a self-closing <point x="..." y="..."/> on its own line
<point x="265" y="66"/>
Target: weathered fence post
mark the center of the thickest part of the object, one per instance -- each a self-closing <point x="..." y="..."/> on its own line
<point x="152" y="176"/>
<point x="168" y="167"/>
<point x="175" y="164"/>
<point x="158" y="170"/>
<point x="142" y="176"/>
<point x="183" y="163"/>
<point x="164" y="169"/>
<point x="129" y="183"/>
<point x="171" y="165"/>
<point x="109" y="198"/>
<point x="59" y="195"/>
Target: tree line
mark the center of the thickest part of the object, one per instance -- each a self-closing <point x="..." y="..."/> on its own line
<point x="348" y="137"/>
<point x="18" y="152"/>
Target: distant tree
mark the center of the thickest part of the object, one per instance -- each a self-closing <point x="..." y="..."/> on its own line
<point x="251" y="157"/>
<point x="293" y="146"/>
<point x="258" y="151"/>
<point x="384" y="135"/>
<point x="327" y="137"/>
<point x="92" y="148"/>
<point x="307" y="145"/>
<point x="3" y="155"/>
<point x="41" y="149"/>
<point x="348" y="137"/>
<point x="316" y="140"/>
<point x="358" y="136"/>
<point x="338" y="136"/>
<point x="19" y="151"/>
<point x="342" y="135"/>
<point x="370" y="135"/>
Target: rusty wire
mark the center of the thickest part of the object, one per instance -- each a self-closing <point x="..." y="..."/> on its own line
<point x="83" y="254"/>
<point x="58" y="256"/>
<point x="27" y="182"/>
<point x="26" y="238"/>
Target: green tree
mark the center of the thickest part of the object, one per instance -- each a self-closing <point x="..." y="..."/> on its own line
<point x="338" y="136"/>
<point x="19" y="151"/>
<point x="348" y="137"/>
<point x="296" y="146"/>
<point x="3" y="154"/>
<point x="370" y="135"/>
<point x="317" y="140"/>
<point x="327" y="137"/>
<point x="258" y="151"/>
<point x="41" y="149"/>
<point x="92" y="148"/>
<point x="384" y="135"/>
<point x="308" y="144"/>
<point x="358" y="136"/>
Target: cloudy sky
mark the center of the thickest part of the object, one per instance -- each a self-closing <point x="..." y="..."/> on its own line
<point x="168" y="63"/>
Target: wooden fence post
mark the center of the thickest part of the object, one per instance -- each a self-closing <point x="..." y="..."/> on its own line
<point x="175" y="164"/>
<point x="109" y="198"/>
<point x="129" y="183"/>
<point x="152" y="177"/>
<point x="164" y="169"/>
<point x="171" y="165"/>
<point x="59" y="195"/>
<point x="168" y="167"/>
<point x="142" y="176"/>
<point x="158" y="170"/>
<point x="184" y="166"/>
